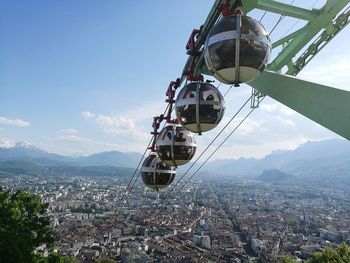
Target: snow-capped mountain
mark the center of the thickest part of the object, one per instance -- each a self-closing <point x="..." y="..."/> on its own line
<point x="7" y="144"/>
<point x="26" y="145"/>
<point x="10" y="151"/>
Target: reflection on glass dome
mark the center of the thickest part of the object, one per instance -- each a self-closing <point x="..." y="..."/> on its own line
<point x="175" y="145"/>
<point x="156" y="174"/>
<point x="220" y="49"/>
<point x="199" y="107"/>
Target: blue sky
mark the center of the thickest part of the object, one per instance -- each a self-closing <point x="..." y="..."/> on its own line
<point x="79" y="77"/>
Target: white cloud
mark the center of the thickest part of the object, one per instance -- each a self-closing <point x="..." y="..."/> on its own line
<point x="145" y="112"/>
<point x="68" y="131"/>
<point x="68" y="135"/>
<point x="66" y="143"/>
<point x="229" y="93"/>
<point x="269" y="107"/>
<point x="117" y="122"/>
<point x="74" y="138"/>
<point x="7" y="143"/>
<point x="276" y="108"/>
<point x="14" y="122"/>
<point x="258" y="146"/>
<point x="1" y="129"/>
<point x="273" y="126"/>
<point x="249" y="126"/>
<point x="87" y="115"/>
<point x="333" y="71"/>
<point x="118" y="125"/>
<point x="287" y="111"/>
<point x="286" y="122"/>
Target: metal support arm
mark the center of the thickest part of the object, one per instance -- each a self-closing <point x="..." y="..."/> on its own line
<point x="325" y="105"/>
<point x="287" y="10"/>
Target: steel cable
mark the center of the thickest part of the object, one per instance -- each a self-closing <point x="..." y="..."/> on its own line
<point x="128" y="188"/>
<point x="208" y="158"/>
<point x="203" y="152"/>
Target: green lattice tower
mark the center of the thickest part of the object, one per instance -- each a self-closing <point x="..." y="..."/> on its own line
<point x="328" y="106"/>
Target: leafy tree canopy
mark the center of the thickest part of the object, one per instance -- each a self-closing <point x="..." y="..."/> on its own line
<point x="24" y="226"/>
<point x="55" y="258"/>
<point x="288" y="260"/>
<point x="338" y="255"/>
<point x="329" y="255"/>
<point x="105" y="260"/>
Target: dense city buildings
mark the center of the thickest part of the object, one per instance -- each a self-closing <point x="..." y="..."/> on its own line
<point x="212" y="220"/>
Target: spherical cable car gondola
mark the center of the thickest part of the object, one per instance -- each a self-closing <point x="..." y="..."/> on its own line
<point x="156" y="174"/>
<point x="236" y="34"/>
<point x="199" y="107"/>
<point x="175" y="145"/>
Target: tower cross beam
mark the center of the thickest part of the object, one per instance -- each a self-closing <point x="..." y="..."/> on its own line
<point x="287" y="10"/>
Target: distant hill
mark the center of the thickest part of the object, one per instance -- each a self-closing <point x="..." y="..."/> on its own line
<point x="312" y="159"/>
<point x="27" y="152"/>
<point x="19" y="167"/>
<point x="274" y="176"/>
<point x="326" y="161"/>
<point x="89" y="171"/>
<point x="113" y="158"/>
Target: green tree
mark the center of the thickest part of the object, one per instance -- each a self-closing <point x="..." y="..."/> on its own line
<point x="330" y="255"/>
<point x="105" y="260"/>
<point x="55" y="258"/>
<point x="71" y="260"/>
<point x="24" y="226"/>
<point x="287" y="259"/>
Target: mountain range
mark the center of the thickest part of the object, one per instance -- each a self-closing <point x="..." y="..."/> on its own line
<point x="312" y="158"/>
<point x="328" y="161"/>
<point x="27" y="152"/>
<point x="24" y="158"/>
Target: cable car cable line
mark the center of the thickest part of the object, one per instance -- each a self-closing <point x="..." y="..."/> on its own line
<point x="117" y="211"/>
<point x="128" y="188"/>
<point x="228" y="90"/>
<point x="137" y="167"/>
<point x="263" y="16"/>
<point x="144" y="153"/>
<point x="228" y="136"/>
<point x="186" y="182"/>
<point x="247" y="63"/>
<point x="222" y="130"/>
<point x="279" y="20"/>
<point x="219" y="133"/>
<point x="195" y="111"/>
<point x="157" y="120"/>
<point x="298" y="21"/>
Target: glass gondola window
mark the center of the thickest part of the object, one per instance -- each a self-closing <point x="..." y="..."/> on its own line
<point x="175" y="145"/>
<point x="199" y="107"/>
<point x="156" y="174"/>
<point x="237" y="33"/>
